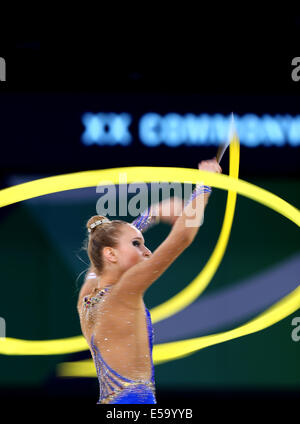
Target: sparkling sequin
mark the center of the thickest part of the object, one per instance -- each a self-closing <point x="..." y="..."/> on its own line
<point x="91" y="301"/>
<point x="146" y="220"/>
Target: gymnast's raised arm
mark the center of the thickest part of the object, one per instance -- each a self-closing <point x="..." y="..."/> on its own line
<point x="135" y="281"/>
<point x="150" y="217"/>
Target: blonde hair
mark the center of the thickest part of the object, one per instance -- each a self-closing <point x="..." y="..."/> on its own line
<point x="102" y="235"/>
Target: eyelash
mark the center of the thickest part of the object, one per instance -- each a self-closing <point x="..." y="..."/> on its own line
<point x="136" y="241"/>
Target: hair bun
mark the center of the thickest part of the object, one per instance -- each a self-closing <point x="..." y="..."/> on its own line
<point x="96" y="220"/>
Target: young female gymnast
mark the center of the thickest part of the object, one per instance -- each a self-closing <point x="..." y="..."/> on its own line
<point x="113" y="317"/>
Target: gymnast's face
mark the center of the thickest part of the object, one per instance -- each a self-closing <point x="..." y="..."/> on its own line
<point x="131" y="248"/>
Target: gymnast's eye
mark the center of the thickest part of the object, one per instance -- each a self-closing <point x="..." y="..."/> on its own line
<point x="136" y="241"/>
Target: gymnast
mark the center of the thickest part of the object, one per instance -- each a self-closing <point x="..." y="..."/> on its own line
<point x="113" y="317"/>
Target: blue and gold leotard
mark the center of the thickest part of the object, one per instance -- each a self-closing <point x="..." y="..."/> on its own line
<point x="116" y="389"/>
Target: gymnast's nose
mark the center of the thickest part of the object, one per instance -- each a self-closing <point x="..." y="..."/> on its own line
<point x="147" y="252"/>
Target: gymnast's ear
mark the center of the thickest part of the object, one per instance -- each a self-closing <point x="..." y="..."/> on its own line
<point x="109" y="254"/>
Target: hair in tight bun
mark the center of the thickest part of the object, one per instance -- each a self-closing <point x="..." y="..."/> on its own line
<point x="102" y="233"/>
<point x="95" y="221"/>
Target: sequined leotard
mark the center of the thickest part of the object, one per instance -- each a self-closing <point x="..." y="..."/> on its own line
<point x="114" y="388"/>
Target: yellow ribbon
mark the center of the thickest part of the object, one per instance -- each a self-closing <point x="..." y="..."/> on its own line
<point x="166" y="351"/>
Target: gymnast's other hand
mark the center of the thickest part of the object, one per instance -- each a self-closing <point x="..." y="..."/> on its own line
<point x="210" y="165"/>
<point x="170" y="209"/>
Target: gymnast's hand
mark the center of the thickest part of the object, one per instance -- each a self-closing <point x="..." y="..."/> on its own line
<point x="170" y="209"/>
<point x="210" y="165"/>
